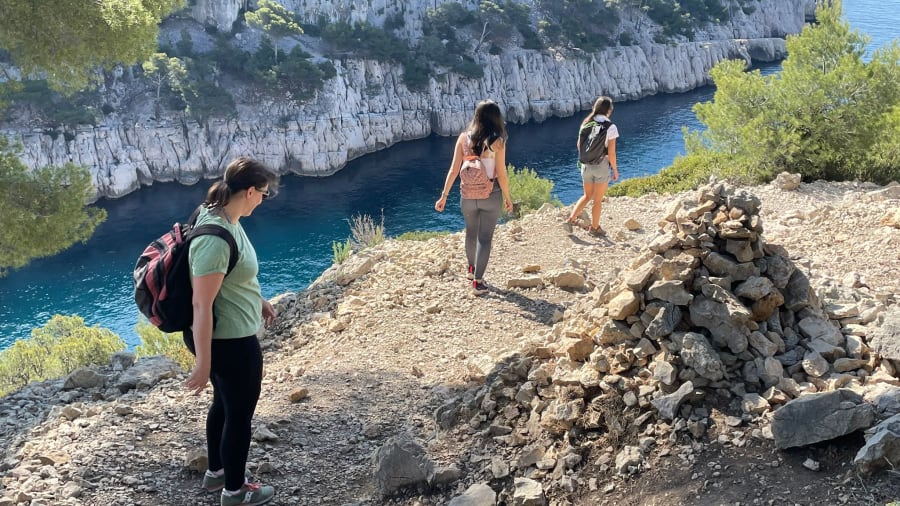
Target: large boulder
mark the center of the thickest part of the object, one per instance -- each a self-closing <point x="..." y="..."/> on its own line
<point x="401" y="462"/>
<point x="885" y="339"/>
<point x="882" y="446"/>
<point x="820" y="417"/>
<point x="147" y="372"/>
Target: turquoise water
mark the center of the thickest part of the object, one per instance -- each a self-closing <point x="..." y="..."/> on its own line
<point x="293" y="232"/>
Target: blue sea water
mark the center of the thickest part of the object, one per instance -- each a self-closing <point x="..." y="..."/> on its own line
<point x="293" y="233"/>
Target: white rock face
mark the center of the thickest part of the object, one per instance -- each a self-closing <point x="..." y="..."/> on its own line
<point x="219" y="13"/>
<point x="366" y="107"/>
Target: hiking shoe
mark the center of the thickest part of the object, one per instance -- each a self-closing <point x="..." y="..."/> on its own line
<point x="216" y="483"/>
<point x="479" y="287"/>
<point x="470" y="274"/>
<point x="597" y="232"/>
<point x="567" y="227"/>
<point x="250" y="494"/>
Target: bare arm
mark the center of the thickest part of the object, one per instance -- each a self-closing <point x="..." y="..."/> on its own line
<point x="611" y="152"/>
<point x="452" y="174"/>
<point x="499" y="148"/>
<point x="205" y="290"/>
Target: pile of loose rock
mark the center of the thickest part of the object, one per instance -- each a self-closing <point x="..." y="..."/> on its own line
<point x="710" y="320"/>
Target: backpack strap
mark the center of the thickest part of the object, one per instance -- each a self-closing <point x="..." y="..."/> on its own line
<point x="219" y="231"/>
<point x="468" y="152"/>
<point x="195" y="215"/>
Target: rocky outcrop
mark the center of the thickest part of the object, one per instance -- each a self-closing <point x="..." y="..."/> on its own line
<point x="366" y="107"/>
<point x="708" y="315"/>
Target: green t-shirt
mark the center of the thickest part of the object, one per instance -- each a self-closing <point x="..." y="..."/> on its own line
<point x="238" y="306"/>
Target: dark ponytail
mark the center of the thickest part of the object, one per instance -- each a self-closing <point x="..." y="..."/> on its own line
<point x="241" y="173"/>
<point x="218" y="194"/>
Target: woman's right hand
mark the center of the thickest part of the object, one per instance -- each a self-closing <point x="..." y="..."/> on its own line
<point x="440" y="204"/>
<point x="198" y="379"/>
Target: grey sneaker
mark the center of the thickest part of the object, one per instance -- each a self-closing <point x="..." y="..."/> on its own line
<point x="250" y="494"/>
<point x="479" y="287"/>
<point x="216" y="483"/>
<point x="567" y="226"/>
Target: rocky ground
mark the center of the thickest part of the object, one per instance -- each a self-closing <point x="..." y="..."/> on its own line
<point x="373" y="349"/>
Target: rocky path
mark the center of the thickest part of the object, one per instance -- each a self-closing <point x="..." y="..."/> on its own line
<point x="371" y="349"/>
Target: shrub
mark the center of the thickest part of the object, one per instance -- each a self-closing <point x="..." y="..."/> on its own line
<point x="528" y="190"/>
<point x="156" y="342"/>
<point x="468" y="68"/>
<point x="786" y="122"/>
<point x="686" y="173"/>
<point x="64" y="344"/>
<point x="206" y="100"/>
<point x="394" y="21"/>
<point x="626" y="39"/>
<point x="366" y="233"/>
<point x="341" y="251"/>
<point x="56" y="109"/>
<point x="421" y="235"/>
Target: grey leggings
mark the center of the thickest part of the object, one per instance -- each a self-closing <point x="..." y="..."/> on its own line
<point x="481" y="217"/>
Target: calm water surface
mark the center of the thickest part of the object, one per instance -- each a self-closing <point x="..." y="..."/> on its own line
<point x="293" y="233"/>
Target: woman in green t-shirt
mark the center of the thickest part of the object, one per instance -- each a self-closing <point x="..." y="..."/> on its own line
<point x="229" y="309"/>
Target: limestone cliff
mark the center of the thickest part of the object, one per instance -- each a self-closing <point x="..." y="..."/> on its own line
<point x="366" y="107"/>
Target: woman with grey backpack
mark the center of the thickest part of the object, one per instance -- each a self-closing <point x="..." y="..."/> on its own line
<point x="597" y="157"/>
<point x="479" y="159"/>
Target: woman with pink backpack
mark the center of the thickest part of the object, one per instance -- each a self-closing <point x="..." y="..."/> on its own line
<point x="479" y="159"/>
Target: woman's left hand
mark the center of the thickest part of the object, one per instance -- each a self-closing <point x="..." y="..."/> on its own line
<point x="268" y="313"/>
<point x="507" y="202"/>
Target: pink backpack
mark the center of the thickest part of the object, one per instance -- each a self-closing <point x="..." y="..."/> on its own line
<point x="473" y="179"/>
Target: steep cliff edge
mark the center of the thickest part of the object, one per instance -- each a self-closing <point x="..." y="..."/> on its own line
<point x="366" y="107"/>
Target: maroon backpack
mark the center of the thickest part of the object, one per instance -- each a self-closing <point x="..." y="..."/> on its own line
<point x="474" y="182"/>
<point x="162" y="275"/>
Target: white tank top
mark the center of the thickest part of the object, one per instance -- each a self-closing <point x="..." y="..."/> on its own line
<point x="487" y="159"/>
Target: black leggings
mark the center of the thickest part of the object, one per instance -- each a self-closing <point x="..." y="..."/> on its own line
<point x="236" y="376"/>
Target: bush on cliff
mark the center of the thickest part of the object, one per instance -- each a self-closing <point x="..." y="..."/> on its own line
<point x="686" y="173"/>
<point x="830" y="114"/>
<point x="528" y="190"/>
<point x="64" y="344"/>
<point x="156" y="342"/>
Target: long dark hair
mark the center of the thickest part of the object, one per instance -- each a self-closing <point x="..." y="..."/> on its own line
<point x="487" y="126"/>
<point x="603" y="106"/>
<point x="241" y="173"/>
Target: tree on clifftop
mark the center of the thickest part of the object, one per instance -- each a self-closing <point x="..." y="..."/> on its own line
<point x="163" y="70"/>
<point x="42" y="212"/>
<point x="829" y="113"/>
<point x="68" y="39"/>
<point x="275" y="20"/>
